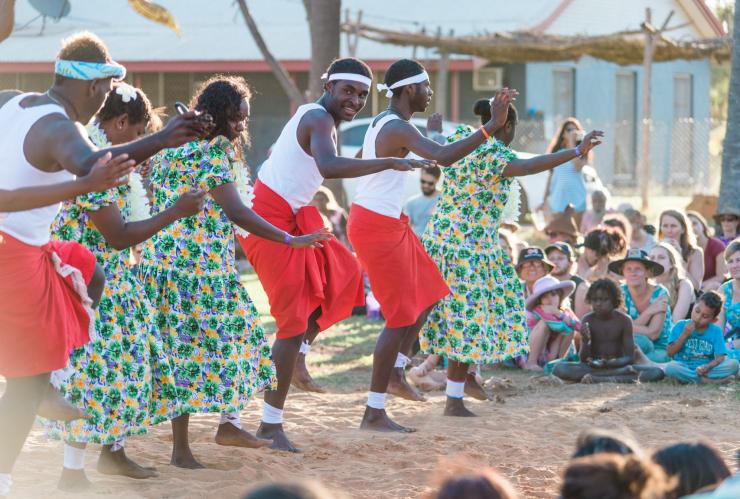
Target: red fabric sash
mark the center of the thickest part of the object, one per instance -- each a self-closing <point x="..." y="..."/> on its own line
<point x="300" y="280"/>
<point x="404" y="279"/>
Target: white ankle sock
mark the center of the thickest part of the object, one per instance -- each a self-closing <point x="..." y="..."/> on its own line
<point x="233" y="418"/>
<point x="376" y="400"/>
<point x="5" y="483"/>
<point x="271" y="415"/>
<point x="74" y="458"/>
<point x="117" y="445"/>
<point x="305" y="348"/>
<point x="455" y="389"/>
<point x="401" y="360"/>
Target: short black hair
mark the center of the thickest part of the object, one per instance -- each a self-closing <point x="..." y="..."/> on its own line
<point x="82" y="46"/>
<point x="482" y="108"/>
<point x="138" y="110"/>
<point x="434" y="171"/>
<point x="400" y="70"/>
<point x="607" y="286"/>
<point x="596" y="441"/>
<point x="605" y="241"/>
<point x="221" y="96"/>
<point x="713" y="300"/>
<point x="349" y="65"/>
<point x="696" y="465"/>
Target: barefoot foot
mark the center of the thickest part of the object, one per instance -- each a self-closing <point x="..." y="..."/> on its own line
<point x="399" y="387"/>
<point x="533" y="367"/>
<point x="302" y="378"/>
<point x="276" y="433"/>
<point x="473" y="389"/>
<point x="55" y="407"/>
<point x="73" y="481"/>
<point x="117" y="463"/>
<point x="456" y="407"/>
<point x="183" y="458"/>
<point x="378" y="420"/>
<point x="230" y="435"/>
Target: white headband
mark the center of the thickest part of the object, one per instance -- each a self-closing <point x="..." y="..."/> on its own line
<point x="421" y="77"/>
<point x="347" y="76"/>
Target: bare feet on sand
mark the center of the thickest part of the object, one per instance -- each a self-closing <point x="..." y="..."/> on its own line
<point x="455" y="407"/>
<point x="279" y="439"/>
<point x="117" y="463"/>
<point x="55" y="407"/>
<point x="185" y="459"/>
<point x="73" y="481"/>
<point x="399" y="387"/>
<point x="424" y="380"/>
<point x="378" y="420"/>
<point x="302" y="378"/>
<point x="230" y="435"/>
<point x="533" y="367"/>
<point x="473" y="388"/>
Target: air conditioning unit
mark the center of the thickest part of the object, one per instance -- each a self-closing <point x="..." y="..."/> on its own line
<point x="485" y="79"/>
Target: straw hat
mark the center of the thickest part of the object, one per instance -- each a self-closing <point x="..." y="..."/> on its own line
<point x="564" y="222"/>
<point x="637" y="255"/>
<point x="545" y="285"/>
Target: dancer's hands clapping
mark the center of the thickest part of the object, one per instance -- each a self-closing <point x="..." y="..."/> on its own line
<point x="406" y="165"/>
<point x="500" y="106"/>
<point x="312" y="240"/>
<point x="107" y="173"/>
<point x="591" y="140"/>
<point x="190" y="203"/>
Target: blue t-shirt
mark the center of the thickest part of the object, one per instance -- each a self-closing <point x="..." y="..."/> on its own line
<point x="700" y="347"/>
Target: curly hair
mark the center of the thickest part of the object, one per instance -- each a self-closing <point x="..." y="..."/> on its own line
<point x="607" y="286"/>
<point x="138" y="110"/>
<point x="713" y="300"/>
<point x="221" y="96"/>
<point x="606" y="241"/>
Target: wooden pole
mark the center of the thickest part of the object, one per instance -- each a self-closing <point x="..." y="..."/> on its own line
<point x="647" y="65"/>
<point x="440" y="101"/>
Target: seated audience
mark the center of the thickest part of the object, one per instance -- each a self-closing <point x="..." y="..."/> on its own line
<point x="532" y="265"/>
<point x="600" y="246"/>
<point x="464" y="483"/>
<point x="597" y="440"/>
<point x="646" y="303"/>
<point x="695" y="465"/>
<point x="593" y="216"/>
<point x="561" y="256"/>
<point x="618" y="221"/>
<point x="641" y="238"/>
<point x="674" y="228"/>
<point x="729" y="319"/>
<point x="562" y="227"/>
<point x="713" y="248"/>
<point x="607" y="347"/>
<point x="697" y="346"/>
<point x="334" y="215"/>
<point x="728" y="222"/>
<point x="550" y="321"/>
<point x="615" y="476"/>
<point x="673" y="278"/>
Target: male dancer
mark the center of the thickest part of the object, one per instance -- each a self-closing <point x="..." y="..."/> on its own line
<point x="309" y="289"/>
<point x="404" y="279"/>
<point x="44" y="315"/>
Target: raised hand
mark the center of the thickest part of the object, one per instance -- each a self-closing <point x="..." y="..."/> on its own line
<point x="190" y="203"/>
<point x="406" y="165"/>
<point x="312" y="240"/>
<point x="186" y="127"/>
<point x="500" y="106"/>
<point x="434" y="122"/>
<point x="145" y="168"/>
<point x="591" y="140"/>
<point x="107" y="173"/>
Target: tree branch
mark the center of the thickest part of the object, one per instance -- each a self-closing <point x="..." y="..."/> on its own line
<point x="280" y="72"/>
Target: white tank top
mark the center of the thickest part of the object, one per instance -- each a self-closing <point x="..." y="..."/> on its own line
<point x="289" y="171"/>
<point x="380" y="192"/>
<point x="33" y="226"/>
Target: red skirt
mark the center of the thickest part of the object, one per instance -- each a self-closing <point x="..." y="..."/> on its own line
<point x="45" y="312"/>
<point x="404" y="279"/>
<point x="300" y="280"/>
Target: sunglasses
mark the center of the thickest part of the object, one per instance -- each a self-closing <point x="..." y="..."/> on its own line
<point x="728" y="218"/>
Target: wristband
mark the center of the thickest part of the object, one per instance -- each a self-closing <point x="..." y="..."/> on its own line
<point x="287" y="239"/>
<point x="485" y="133"/>
<point x="578" y="151"/>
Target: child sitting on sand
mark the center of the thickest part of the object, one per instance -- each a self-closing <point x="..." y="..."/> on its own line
<point x="697" y="347"/>
<point x="607" y="347"/>
<point x="550" y="320"/>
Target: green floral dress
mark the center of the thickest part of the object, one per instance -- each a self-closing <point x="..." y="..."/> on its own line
<point x="208" y="324"/>
<point x="482" y="320"/>
<point x="122" y="375"/>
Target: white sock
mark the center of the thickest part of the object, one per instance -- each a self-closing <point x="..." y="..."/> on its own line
<point x="117" y="445"/>
<point x="271" y="415"/>
<point x="232" y="417"/>
<point x="376" y="400"/>
<point x="74" y="458"/>
<point x="401" y="360"/>
<point x="455" y="389"/>
<point x="5" y="482"/>
<point x="305" y="348"/>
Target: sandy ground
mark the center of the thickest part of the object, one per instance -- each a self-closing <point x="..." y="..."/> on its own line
<point x="528" y="433"/>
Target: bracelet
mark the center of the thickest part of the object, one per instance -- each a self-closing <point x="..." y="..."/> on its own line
<point x="287" y="239"/>
<point x="578" y="151"/>
<point x="485" y="133"/>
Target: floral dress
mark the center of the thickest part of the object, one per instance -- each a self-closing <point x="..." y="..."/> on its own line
<point x="482" y="320"/>
<point x="732" y="313"/>
<point x="121" y="375"/>
<point x="208" y="324"/>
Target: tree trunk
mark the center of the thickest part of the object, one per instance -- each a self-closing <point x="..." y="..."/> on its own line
<point x="7" y="17"/>
<point x="324" y="17"/>
<point x="281" y="74"/>
<point x="729" y="200"/>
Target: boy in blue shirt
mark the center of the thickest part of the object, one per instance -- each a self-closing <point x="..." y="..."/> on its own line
<point x="697" y="346"/>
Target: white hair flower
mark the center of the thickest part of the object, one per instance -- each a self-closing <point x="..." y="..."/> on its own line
<point x="127" y="92"/>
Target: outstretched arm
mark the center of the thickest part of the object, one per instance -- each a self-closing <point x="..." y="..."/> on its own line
<point x="537" y="164"/>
